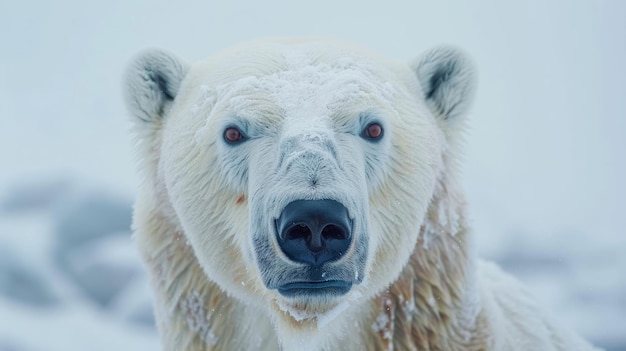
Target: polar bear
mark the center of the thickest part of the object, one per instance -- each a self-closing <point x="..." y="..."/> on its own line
<point x="304" y="194"/>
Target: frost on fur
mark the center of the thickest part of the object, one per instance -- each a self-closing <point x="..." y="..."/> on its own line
<point x="198" y="318"/>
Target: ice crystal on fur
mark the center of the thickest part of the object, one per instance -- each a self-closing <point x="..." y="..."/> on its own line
<point x="197" y="317"/>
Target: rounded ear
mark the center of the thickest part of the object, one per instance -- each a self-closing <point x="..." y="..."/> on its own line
<point x="448" y="80"/>
<point x="152" y="82"/>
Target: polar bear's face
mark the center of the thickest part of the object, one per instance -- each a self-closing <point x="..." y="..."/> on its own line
<point x="299" y="172"/>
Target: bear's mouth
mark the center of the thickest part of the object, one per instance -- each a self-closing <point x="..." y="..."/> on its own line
<point x="315" y="288"/>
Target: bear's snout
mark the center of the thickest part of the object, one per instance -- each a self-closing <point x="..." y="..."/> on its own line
<point x="314" y="231"/>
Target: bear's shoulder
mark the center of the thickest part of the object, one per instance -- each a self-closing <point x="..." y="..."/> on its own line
<point x="517" y="318"/>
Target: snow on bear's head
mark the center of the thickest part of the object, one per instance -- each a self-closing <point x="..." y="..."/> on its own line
<point x="299" y="171"/>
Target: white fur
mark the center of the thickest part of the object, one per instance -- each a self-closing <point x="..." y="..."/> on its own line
<point x="205" y="214"/>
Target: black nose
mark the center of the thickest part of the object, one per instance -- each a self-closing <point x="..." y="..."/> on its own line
<point x="314" y="231"/>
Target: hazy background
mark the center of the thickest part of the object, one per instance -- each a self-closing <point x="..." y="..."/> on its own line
<point x="544" y="163"/>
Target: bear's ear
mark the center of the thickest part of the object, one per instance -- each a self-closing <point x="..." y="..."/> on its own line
<point x="152" y="82"/>
<point x="448" y="78"/>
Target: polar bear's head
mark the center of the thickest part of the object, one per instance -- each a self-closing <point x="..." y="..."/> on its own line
<point x="300" y="172"/>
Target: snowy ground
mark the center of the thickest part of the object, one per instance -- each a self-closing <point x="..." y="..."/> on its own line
<point x="70" y="278"/>
<point x="70" y="274"/>
<point x="544" y="170"/>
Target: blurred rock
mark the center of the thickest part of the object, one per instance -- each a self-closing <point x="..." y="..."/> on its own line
<point x="102" y="282"/>
<point x="91" y="217"/>
<point x="66" y="246"/>
<point x="143" y="315"/>
<point x="101" y="268"/>
<point x="22" y="284"/>
<point x="135" y="304"/>
<point x="527" y="262"/>
<point x="36" y="196"/>
<point x="82" y="229"/>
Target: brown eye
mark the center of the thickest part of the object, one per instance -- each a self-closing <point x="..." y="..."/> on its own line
<point x="233" y="135"/>
<point x="373" y="131"/>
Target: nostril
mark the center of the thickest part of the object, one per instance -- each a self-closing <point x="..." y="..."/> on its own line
<point x="332" y="231"/>
<point x="298" y="231"/>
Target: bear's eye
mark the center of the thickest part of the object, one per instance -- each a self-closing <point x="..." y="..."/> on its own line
<point x="373" y="131"/>
<point x="233" y="135"/>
